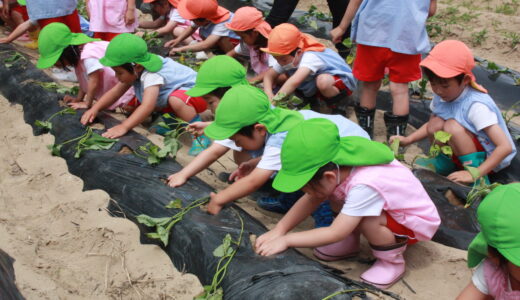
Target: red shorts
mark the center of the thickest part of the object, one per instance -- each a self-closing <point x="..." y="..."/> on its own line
<point x="234" y="42"/>
<point x="105" y="36"/>
<point x="22" y="10"/>
<point x="339" y="84"/>
<point x="71" y="20"/>
<point x="370" y="64"/>
<point x="198" y="103"/>
<point x="400" y="230"/>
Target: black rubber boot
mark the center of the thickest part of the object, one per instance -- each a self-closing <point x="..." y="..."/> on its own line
<point x="395" y="125"/>
<point x="336" y="103"/>
<point x="365" y="118"/>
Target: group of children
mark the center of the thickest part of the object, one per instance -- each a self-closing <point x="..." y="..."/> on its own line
<point x="323" y="164"/>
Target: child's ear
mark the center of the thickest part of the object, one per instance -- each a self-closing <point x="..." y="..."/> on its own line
<point x="138" y="68"/>
<point x="466" y="80"/>
<point x="261" y="129"/>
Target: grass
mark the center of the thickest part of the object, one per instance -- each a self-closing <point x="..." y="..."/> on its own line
<point x="513" y="38"/>
<point x="508" y="8"/>
<point x="477" y="38"/>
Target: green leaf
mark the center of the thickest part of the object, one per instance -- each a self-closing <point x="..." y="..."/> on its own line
<point x="347" y="43"/>
<point x="43" y="124"/>
<point x="447" y="150"/>
<point x="279" y="97"/>
<point x="313" y="24"/>
<point x="395" y="147"/>
<point x="55" y="149"/>
<point x="153" y="159"/>
<point x="475" y="173"/>
<point x="442" y="136"/>
<point x="151" y="222"/>
<point x="153" y="235"/>
<point x="164" y="234"/>
<point x="434" y="150"/>
<point x="177" y="203"/>
<point x="225" y="248"/>
<point x="67" y="111"/>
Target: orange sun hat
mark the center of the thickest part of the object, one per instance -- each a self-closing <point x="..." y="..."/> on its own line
<point x="450" y="58"/>
<point x="202" y="9"/>
<point x="285" y="37"/>
<point x="247" y="18"/>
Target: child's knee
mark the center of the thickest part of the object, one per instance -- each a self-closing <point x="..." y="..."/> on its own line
<point x="453" y="127"/>
<point x="371" y="223"/>
<point x="435" y="124"/>
<point x="324" y="81"/>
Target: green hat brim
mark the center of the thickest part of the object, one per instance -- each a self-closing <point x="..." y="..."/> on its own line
<point x="152" y="64"/>
<point x="198" y="91"/>
<point x="288" y="183"/>
<point x="216" y="132"/>
<point x="512" y="255"/>
<point x="477" y="250"/>
<point x="48" y="61"/>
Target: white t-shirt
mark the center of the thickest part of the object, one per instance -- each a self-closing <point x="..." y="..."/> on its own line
<point x="479" y="280"/>
<point x="219" y="29"/>
<point x="229" y="144"/>
<point x="92" y="65"/>
<point x="150" y="79"/>
<point x="308" y="60"/>
<point x="242" y="49"/>
<point x="174" y="16"/>
<point x="479" y="114"/>
<point x="363" y="201"/>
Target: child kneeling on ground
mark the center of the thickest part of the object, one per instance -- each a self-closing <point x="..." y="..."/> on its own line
<point x="495" y="251"/>
<point x="159" y="84"/>
<point x="374" y="195"/>
<point x="463" y="108"/>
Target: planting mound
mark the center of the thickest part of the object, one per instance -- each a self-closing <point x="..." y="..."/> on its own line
<point x="138" y="189"/>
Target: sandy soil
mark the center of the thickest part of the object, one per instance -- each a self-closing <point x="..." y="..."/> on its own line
<point x="65" y="243"/>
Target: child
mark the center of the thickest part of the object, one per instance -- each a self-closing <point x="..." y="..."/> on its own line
<point x="159" y="84"/>
<point x="312" y="68"/>
<point x="245" y="116"/>
<point x="108" y="18"/>
<point x="390" y="35"/>
<point x="170" y="21"/>
<point x="210" y="19"/>
<point x="358" y="176"/>
<point x="495" y="251"/>
<point x="248" y="23"/>
<point x="16" y="16"/>
<point x="461" y="107"/>
<point x="62" y="48"/>
<point x="215" y="77"/>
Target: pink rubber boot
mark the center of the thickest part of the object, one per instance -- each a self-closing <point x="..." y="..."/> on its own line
<point x="389" y="266"/>
<point x="348" y="247"/>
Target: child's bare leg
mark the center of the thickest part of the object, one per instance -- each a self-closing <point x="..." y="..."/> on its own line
<point x="461" y="140"/>
<point x="177" y="31"/>
<point x="325" y="83"/>
<point x="401" y="105"/>
<point x="181" y="109"/>
<point x="225" y="44"/>
<point x="375" y="231"/>
<point x="369" y="91"/>
<point x="241" y="156"/>
<point x="434" y="124"/>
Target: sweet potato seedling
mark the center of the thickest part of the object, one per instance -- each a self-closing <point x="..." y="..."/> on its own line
<point x="47" y="124"/>
<point x="87" y="141"/>
<point x="480" y="189"/>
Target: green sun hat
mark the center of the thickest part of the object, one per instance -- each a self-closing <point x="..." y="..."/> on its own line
<point x="216" y="72"/>
<point x="498" y="216"/>
<point x="129" y="48"/>
<point x="314" y="143"/>
<point x="53" y="39"/>
<point x="244" y="105"/>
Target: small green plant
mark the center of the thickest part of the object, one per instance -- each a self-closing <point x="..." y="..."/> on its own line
<point x="439" y="137"/>
<point x="513" y="37"/>
<point x="480" y="189"/>
<point x="394" y="146"/>
<point x="479" y="37"/>
<point x="507" y="8"/>
<point x="352" y="55"/>
<point x="82" y="9"/>
<point x="434" y="26"/>
<point x="225" y="252"/>
<point x="511" y="113"/>
<point x="87" y="141"/>
<point x="164" y="225"/>
<point x="13" y="59"/>
<point x="287" y="101"/>
<point x="151" y="39"/>
<point x="47" y="124"/>
<point x="419" y="89"/>
<point x="54" y="87"/>
<point x="312" y="15"/>
<point x="188" y="59"/>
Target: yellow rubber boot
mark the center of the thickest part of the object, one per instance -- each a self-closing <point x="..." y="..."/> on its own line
<point x="33" y="35"/>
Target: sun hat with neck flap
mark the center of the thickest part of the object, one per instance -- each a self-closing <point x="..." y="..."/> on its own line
<point x="129" y="48"/>
<point x="244" y="105"/>
<point x="53" y="39"/>
<point x="247" y="18"/>
<point x="285" y="38"/>
<point x="203" y="9"/>
<point x="315" y="142"/>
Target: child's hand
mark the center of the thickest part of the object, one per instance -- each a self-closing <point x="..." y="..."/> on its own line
<point x="5" y="40"/>
<point x="214" y="207"/>
<point x="272" y="247"/>
<point x="175" y="50"/>
<point x="171" y="43"/>
<point x="115" y="132"/>
<point x="176" y="180"/>
<point x="130" y="16"/>
<point x="78" y="105"/>
<point x="69" y="98"/>
<point x="461" y="177"/>
<point x="403" y="140"/>
<point x="267" y="237"/>
<point x="88" y="116"/>
<point x="243" y="170"/>
<point x="336" y="34"/>
<point x="197" y="128"/>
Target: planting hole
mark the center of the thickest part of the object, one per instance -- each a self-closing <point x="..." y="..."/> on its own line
<point x="454" y="199"/>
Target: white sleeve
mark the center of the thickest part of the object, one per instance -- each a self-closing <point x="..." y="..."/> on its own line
<point x="242" y="49"/>
<point x="228" y="144"/>
<point x="479" y="280"/>
<point x="92" y="65"/>
<point x="220" y="29"/>
<point x="363" y="201"/>
<point x="276" y="66"/>
<point x="271" y="61"/>
<point x="271" y="159"/>
<point x="481" y="116"/>
<point x="312" y="62"/>
<point x="175" y="16"/>
<point x="149" y="79"/>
